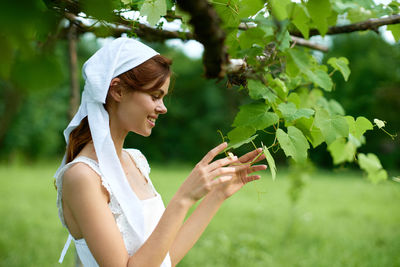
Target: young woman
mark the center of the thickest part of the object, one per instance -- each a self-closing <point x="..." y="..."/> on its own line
<point x="105" y="197"/>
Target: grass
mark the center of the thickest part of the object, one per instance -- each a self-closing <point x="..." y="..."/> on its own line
<point x="339" y="220"/>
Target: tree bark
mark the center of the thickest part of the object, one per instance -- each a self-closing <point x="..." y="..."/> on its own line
<point x="73" y="72"/>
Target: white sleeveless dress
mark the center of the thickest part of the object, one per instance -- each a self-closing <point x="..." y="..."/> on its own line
<point x="153" y="209"/>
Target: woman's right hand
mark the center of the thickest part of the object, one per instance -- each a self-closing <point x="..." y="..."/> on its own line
<point x="204" y="177"/>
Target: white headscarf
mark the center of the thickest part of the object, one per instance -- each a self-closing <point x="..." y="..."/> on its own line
<point x="115" y="58"/>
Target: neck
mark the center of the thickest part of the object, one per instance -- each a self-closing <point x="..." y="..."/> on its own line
<point x="118" y="137"/>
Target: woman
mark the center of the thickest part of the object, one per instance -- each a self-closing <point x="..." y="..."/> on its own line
<point x="105" y="197"/>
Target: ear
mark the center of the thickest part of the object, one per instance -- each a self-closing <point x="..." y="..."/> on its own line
<point x="115" y="90"/>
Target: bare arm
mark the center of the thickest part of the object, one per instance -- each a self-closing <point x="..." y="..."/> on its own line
<point x="195" y="225"/>
<point x="83" y="195"/>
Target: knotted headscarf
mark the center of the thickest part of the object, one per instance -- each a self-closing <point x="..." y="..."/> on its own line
<point x="115" y="58"/>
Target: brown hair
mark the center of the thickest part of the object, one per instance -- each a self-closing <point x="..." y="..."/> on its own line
<point x="156" y="69"/>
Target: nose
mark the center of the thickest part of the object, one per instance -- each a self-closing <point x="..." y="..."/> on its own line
<point x="161" y="108"/>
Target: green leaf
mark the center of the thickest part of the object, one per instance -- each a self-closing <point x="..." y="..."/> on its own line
<point x="291" y="113"/>
<point x="332" y="127"/>
<point x="295" y="99"/>
<point x="250" y="37"/>
<point x="301" y="20"/>
<point x="283" y="39"/>
<point x="279" y="8"/>
<point x="371" y="164"/>
<point x="358" y="127"/>
<point x="257" y="90"/>
<point x="313" y="134"/>
<point x="271" y="162"/>
<point x="293" y="143"/>
<point x="228" y="12"/>
<point x="395" y="29"/>
<point x="335" y="108"/>
<point x="126" y="2"/>
<point x="279" y="86"/>
<point x="341" y="64"/>
<point x="240" y="135"/>
<point x="318" y="76"/>
<point x="233" y="145"/>
<point x="342" y="151"/>
<point x="153" y="9"/>
<point x="250" y="7"/>
<point x="255" y="115"/>
<point x="319" y="11"/>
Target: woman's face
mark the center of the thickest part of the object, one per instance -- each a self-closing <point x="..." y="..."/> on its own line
<point x="139" y="110"/>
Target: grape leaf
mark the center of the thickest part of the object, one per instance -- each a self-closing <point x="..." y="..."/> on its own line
<point x="249" y="7"/>
<point x="300" y="19"/>
<point x="279" y="8"/>
<point x="358" y="127"/>
<point x="342" y="151"/>
<point x="271" y="161"/>
<point x="371" y="164"/>
<point x="279" y="86"/>
<point x="331" y="127"/>
<point x="255" y="115"/>
<point x="228" y="12"/>
<point x="257" y="90"/>
<point x="395" y="29"/>
<point x="319" y="11"/>
<point x="153" y="9"/>
<point x="341" y="64"/>
<point x="291" y="113"/>
<point x="240" y="136"/>
<point x="317" y="76"/>
<point x="320" y="78"/>
<point x="250" y="37"/>
<point x="313" y="134"/>
<point x="293" y="143"/>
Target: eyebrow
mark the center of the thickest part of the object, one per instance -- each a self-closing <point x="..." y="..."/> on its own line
<point x="161" y="91"/>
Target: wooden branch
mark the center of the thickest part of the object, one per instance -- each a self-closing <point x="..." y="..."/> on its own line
<point x="73" y="72"/>
<point x="370" y="24"/>
<point x="115" y="30"/>
<point x="303" y="42"/>
<point x="207" y="31"/>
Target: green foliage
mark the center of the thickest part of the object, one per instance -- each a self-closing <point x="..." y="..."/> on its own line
<point x="341" y="64"/>
<point x="153" y="9"/>
<point x="293" y="143"/>
<point x="371" y="164"/>
<point x="289" y="89"/>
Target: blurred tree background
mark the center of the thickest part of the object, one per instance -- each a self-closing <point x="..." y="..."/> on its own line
<point x="34" y="92"/>
<point x="34" y="103"/>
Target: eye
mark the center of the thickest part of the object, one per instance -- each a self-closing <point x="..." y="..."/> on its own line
<point x="155" y="97"/>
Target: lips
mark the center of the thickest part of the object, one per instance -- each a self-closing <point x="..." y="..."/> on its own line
<point x="152" y="120"/>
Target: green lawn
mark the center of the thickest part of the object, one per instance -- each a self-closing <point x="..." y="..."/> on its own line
<point x="339" y="220"/>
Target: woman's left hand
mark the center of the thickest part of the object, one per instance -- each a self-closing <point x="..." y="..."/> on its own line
<point x="243" y="167"/>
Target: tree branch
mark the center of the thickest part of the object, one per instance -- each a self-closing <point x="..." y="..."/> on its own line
<point x="370" y="24"/>
<point x="207" y="31"/>
<point x="303" y="42"/>
<point x="115" y="30"/>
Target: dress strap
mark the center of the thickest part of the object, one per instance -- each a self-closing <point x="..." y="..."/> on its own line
<point x="65" y="249"/>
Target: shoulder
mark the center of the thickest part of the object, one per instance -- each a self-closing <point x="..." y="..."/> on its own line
<point x="80" y="179"/>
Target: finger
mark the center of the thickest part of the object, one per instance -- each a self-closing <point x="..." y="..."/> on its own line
<point x="252" y="155"/>
<point x="251" y="178"/>
<point x="212" y="153"/>
<point x="257" y="168"/>
<point x="220" y="180"/>
<point x="223" y="171"/>
<point x="222" y="162"/>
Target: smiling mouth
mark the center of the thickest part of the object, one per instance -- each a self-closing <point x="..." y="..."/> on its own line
<point x="152" y="121"/>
